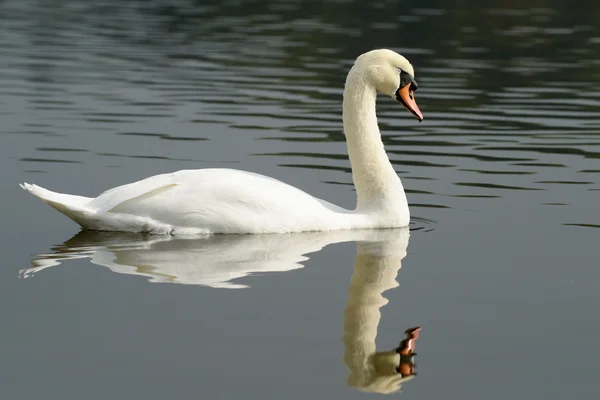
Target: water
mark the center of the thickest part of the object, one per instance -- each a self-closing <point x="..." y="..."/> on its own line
<point x="502" y="178"/>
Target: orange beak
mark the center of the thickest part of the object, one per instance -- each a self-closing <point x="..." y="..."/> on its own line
<point x="407" y="98"/>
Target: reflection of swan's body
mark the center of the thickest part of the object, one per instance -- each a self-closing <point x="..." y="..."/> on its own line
<point x="209" y="260"/>
<point x="216" y="260"/>
<point x="375" y="270"/>
<point x="232" y="201"/>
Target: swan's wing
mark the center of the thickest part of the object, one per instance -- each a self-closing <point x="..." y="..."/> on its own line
<point x="110" y="200"/>
<point x="117" y="198"/>
<point x="216" y="200"/>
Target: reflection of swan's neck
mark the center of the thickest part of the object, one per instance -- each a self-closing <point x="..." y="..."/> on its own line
<point x="374" y="273"/>
<point x="373" y="174"/>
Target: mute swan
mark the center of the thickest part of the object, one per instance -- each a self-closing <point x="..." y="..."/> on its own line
<point x="232" y="201"/>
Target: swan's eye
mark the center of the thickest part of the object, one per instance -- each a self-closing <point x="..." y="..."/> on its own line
<point x="407" y="79"/>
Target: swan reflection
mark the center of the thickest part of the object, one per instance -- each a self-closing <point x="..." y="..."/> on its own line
<point x="375" y="268"/>
<point x="217" y="261"/>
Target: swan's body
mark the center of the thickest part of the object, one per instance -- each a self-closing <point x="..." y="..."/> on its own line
<point x="233" y="201"/>
<point x="202" y="201"/>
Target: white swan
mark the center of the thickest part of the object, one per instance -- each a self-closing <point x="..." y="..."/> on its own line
<point x="231" y="201"/>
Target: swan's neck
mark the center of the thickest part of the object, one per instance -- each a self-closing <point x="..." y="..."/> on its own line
<point x="374" y="177"/>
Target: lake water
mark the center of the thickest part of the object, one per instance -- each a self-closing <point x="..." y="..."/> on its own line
<point x="503" y="178"/>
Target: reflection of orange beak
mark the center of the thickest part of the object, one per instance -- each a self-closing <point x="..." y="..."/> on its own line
<point x="407" y="98"/>
<point x="413" y="333"/>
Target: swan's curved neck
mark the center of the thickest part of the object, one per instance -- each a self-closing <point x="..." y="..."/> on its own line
<point x="373" y="174"/>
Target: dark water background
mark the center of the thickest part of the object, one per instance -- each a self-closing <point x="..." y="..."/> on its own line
<point x="503" y="177"/>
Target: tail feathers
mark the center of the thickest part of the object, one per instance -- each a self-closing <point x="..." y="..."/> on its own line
<point x="70" y="205"/>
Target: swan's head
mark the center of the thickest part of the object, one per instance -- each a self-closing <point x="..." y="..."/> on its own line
<point x="391" y="74"/>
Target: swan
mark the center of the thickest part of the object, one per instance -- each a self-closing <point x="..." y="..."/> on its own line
<point x="208" y="201"/>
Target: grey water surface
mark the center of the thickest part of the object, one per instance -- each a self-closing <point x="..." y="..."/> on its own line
<point x="503" y="177"/>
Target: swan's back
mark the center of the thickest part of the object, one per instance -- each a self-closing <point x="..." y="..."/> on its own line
<point x="209" y="201"/>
